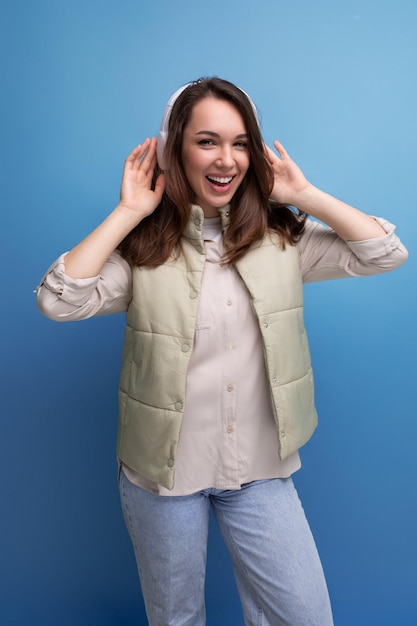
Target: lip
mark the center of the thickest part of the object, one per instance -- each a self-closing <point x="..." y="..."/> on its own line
<point x="220" y="187"/>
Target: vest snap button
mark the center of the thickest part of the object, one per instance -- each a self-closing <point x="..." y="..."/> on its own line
<point x="178" y="406"/>
<point x="185" y="347"/>
<point x="170" y="463"/>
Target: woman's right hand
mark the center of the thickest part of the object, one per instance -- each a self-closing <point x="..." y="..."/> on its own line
<point x="137" y="200"/>
<point x="136" y="193"/>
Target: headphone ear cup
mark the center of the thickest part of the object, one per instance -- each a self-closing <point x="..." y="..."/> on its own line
<point x="160" y="147"/>
<point x="163" y="130"/>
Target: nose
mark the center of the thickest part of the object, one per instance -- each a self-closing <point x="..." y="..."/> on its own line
<point x="226" y="158"/>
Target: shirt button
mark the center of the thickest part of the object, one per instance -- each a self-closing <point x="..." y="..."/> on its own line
<point x="197" y="221"/>
<point x="229" y="387"/>
<point x="266" y="325"/>
<point x="229" y="429"/>
<point x="178" y="406"/>
<point x="170" y="463"/>
<point x="274" y="380"/>
<point x="229" y="302"/>
<point x="193" y="295"/>
<point x="230" y="346"/>
<point x="185" y="347"/>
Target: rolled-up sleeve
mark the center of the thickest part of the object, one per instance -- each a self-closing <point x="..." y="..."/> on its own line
<point x="325" y="256"/>
<point x="62" y="298"/>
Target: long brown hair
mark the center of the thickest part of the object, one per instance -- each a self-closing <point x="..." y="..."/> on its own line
<point x="252" y="213"/>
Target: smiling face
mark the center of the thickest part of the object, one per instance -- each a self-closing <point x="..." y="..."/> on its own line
<point x="215" y="153"/>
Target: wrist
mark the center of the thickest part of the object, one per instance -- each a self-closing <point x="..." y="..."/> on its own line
<point x="307" y="199"/>
<point x="128" y="216"/>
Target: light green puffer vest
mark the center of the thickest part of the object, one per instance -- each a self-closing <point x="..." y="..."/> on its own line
<point x="159" y="339"/>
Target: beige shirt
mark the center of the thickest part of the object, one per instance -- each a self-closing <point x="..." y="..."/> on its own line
<point x="228" y="436"/>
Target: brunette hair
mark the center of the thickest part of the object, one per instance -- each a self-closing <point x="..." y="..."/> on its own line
<point x="252" y="213"/>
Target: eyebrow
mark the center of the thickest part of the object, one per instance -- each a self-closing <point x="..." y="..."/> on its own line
<point x="211" y="134"/>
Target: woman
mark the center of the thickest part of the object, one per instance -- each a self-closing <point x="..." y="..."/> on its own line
<point x="216" y="388"/>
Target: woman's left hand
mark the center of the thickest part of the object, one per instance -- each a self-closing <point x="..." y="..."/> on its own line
<point x="289" y="180"/>
<point x="291" y="188"/>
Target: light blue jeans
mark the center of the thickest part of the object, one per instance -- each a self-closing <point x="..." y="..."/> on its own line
<point x="275" y="561"/>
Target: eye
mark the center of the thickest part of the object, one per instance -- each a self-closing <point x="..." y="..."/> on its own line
<point x="206" y="142"/>
<point x="241" y="144"/>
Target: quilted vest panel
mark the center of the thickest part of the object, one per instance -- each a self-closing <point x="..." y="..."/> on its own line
<point x="159" y="340"/>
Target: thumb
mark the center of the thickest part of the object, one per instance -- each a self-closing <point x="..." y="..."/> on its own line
<point x="160" y="186"/>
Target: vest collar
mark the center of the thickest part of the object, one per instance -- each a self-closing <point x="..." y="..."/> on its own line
<point x="194" y="228"/>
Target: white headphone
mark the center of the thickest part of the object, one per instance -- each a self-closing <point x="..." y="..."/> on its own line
<point x="163" y="130"/>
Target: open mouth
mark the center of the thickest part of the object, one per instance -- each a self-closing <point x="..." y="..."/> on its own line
<point x="220" y="181"/>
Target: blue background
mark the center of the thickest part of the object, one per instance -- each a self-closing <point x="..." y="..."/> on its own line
<point x="83" y="82"/>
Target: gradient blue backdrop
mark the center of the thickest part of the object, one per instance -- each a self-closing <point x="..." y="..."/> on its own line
<point x="83" y="82"/>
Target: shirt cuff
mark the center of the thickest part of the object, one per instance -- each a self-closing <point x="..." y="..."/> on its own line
<point x="379" y="246"/>
<point x="74" y="291"/>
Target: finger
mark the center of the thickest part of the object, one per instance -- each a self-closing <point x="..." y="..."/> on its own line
<point x="148" y="160"/>
<point x="134" y="158"/>
<point x="148" y="169"/>
<point x="280" y="149"/>
<point x="270" y="155"/>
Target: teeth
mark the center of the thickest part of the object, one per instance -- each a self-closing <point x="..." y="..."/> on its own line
<point x="219" y="179"/>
